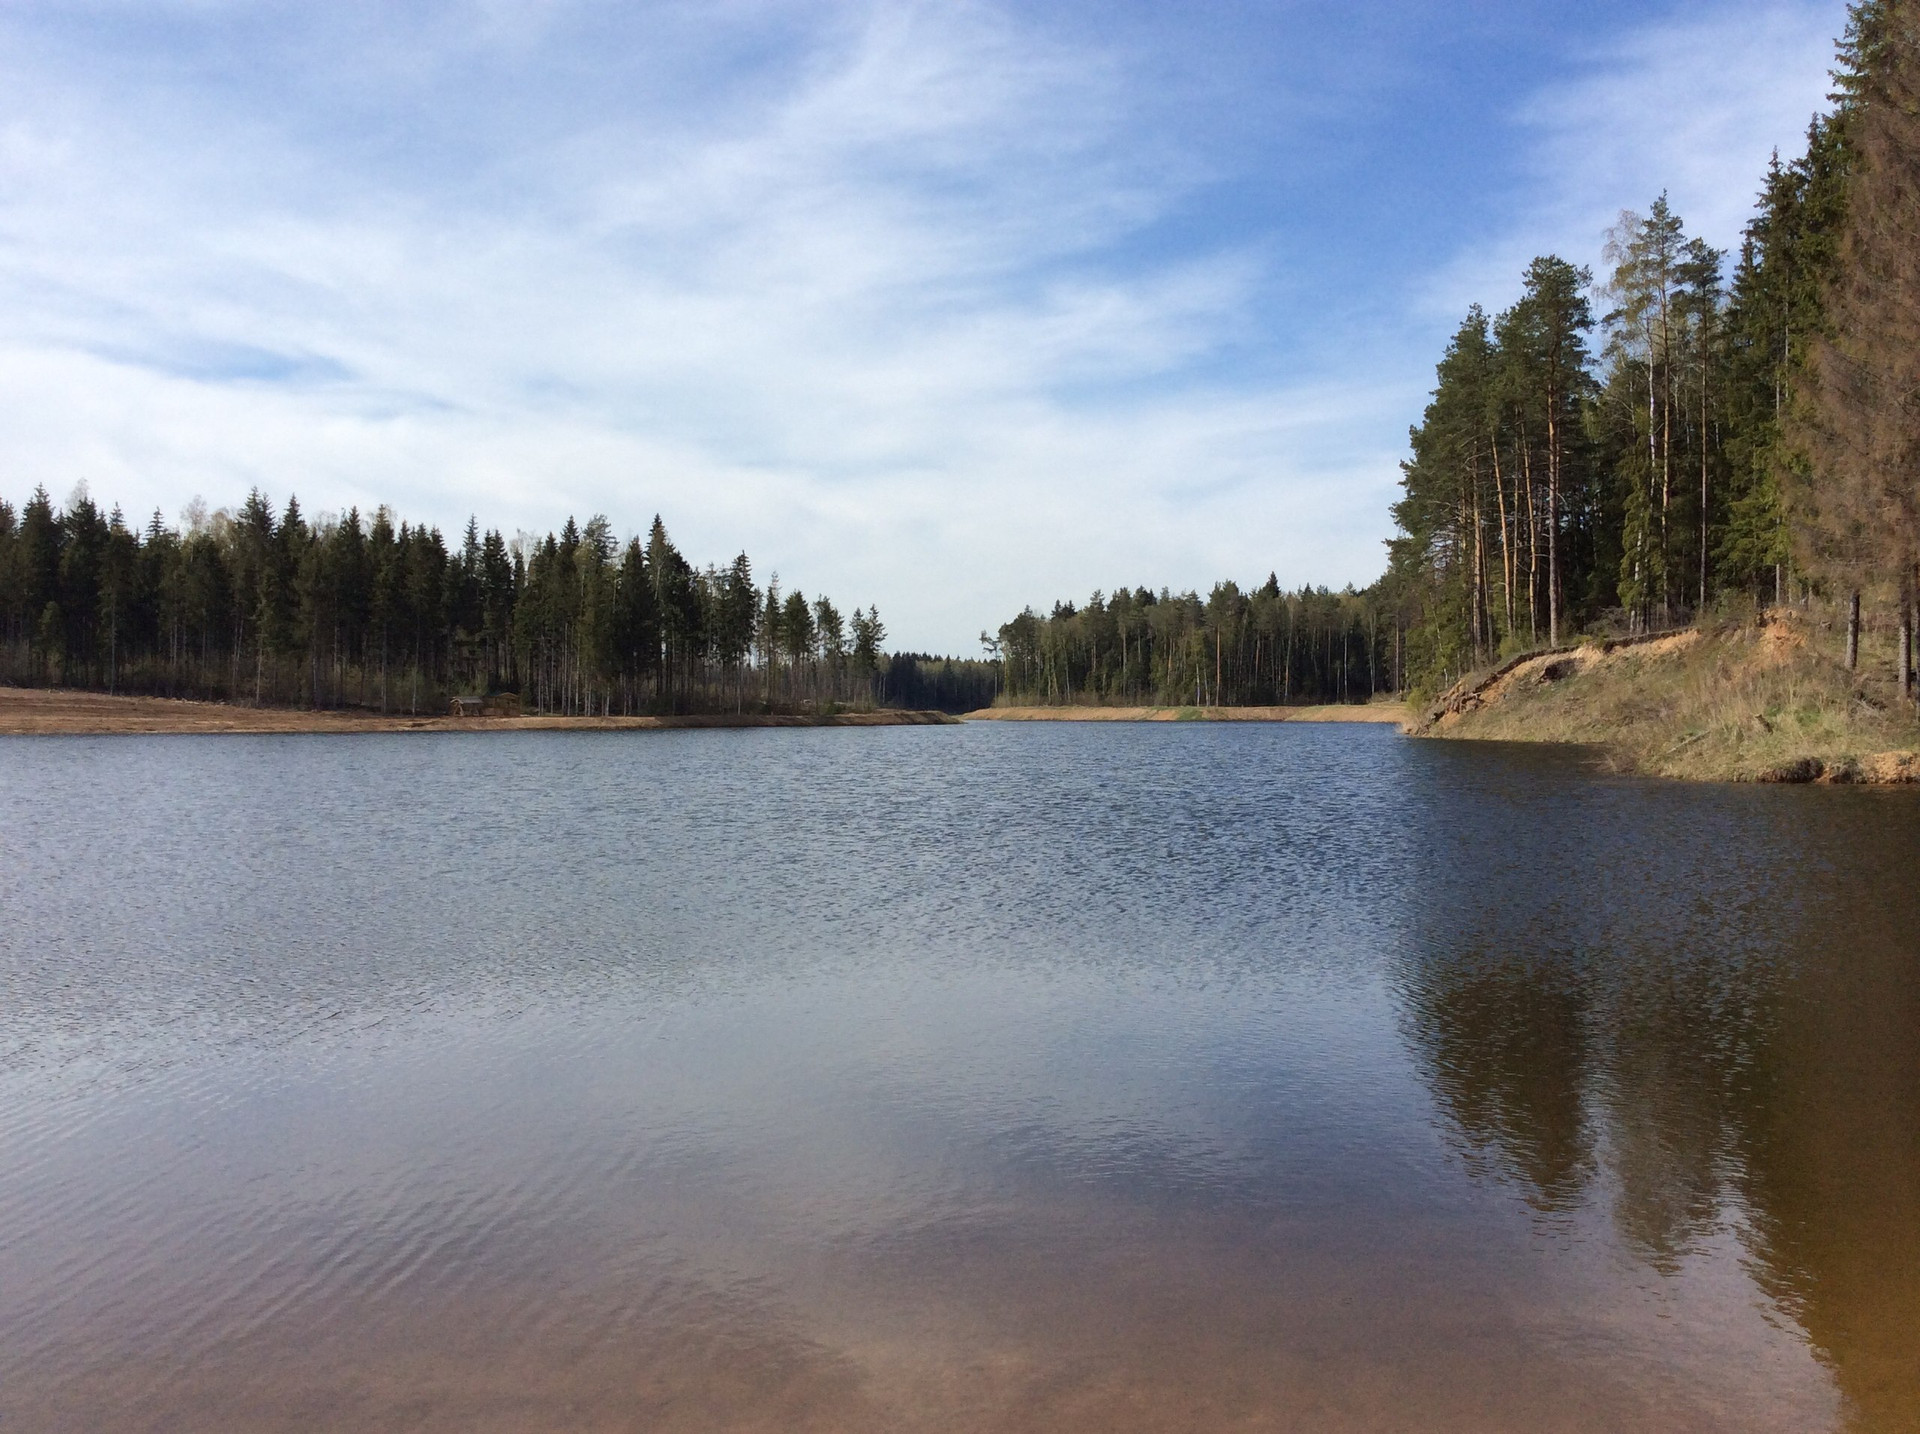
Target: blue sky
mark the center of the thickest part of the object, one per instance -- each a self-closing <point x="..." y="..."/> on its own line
<point x="945" y="307"/>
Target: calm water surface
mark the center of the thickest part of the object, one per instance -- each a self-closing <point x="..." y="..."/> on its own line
<point x="983" y="1078"/>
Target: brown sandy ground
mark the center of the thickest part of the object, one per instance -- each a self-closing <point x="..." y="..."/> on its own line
<point x="28" y="711"/>
<point x="1754" y="702"/>
<point x="1373" y="712"/>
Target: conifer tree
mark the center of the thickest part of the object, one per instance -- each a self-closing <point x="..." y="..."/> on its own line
<point x="868" y="635"/>
<point x="1861" y="419"/>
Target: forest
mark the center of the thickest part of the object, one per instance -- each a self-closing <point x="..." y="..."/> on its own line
<point x="1682" y="439"/>
<point x="1230" y="649"/>
<point x="265" y="607"/>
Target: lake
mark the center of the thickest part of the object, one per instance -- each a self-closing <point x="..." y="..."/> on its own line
<point x="996" y="1077"/>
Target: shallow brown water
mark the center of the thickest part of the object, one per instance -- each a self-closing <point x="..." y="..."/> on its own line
<point x="982" y="1078"/>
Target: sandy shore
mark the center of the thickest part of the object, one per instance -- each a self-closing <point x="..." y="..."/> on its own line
<point x="26" y="711"/>
<point x="1373" y="712"/>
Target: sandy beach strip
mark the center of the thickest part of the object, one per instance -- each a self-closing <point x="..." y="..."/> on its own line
<point x="32" y="711"/>
<point x="1385" y="712"/>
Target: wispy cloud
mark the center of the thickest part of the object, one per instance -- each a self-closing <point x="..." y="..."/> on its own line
<point x="881" y="292"/>
<point x="857" y="325"/>
<point x="1690" y="106"/>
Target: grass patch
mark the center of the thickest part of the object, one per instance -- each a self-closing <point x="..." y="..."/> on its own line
<point x="1753" y="702"/>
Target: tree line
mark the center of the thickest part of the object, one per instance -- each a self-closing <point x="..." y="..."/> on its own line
<point x="267" y="607"/>
<point x="1683" y="436"/>
<point x="1232" y="648"/>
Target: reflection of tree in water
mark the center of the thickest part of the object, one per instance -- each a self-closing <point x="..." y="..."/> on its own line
<point x="1829" y="1157"/>
<point x="1680" y="1034"/>
<point x="1505" y="1044"/>
<point x="1549" y="1065"/>
<point x="1733" y="1038"/>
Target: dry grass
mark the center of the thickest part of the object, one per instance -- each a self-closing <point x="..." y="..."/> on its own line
<point x="1752" y="702"/>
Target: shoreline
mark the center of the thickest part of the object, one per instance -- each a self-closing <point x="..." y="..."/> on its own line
<point x="63" y="711"/>
<point x="1729" y="702"/>
<point x="71" y="712"/>
<point x="1378" y="712"/>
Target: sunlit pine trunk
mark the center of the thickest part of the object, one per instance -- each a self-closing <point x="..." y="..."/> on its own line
<point x="1533" y="541"/>
<point x="1660" y="453"/>
<point x="1481" y="637"/>
<point x="1701" y="611"/>
<point x="1553" y="524"/>
<point x="1506" y="549"/>
<point x="1286" y="671"/>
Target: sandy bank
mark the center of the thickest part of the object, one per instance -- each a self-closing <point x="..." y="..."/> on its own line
<point x="1374" y="712"/>
<point x="1755" y="702"/>
<point x="26" y="711"/>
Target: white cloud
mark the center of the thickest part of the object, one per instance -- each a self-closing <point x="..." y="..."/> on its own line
<point x="872" y="308"/>
<point x="852" y="326"/>
<point x="1692" y="106"/>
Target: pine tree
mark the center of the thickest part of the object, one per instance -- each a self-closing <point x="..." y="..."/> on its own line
<point x="1554" y="320"/>
<point x="1444" y="511"/>
<point x="383" y="591"/>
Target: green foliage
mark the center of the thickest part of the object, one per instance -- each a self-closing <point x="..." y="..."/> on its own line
<point x="338" y="612"/>
<point x="868" y="635"/>
<point x="1727" y="435"/>
<point x="1233" y="649"/>
<point x="1503" y="526"/>
<point x="1857" y="509"/>
<point x="923" y="682"/>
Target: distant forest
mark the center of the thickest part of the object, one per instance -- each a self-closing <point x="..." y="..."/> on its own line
<point x="1230" y="649"/>
<point x="262" y="607"/>
<point x="1669" y="444"/>
<point x="1674" y="441"/>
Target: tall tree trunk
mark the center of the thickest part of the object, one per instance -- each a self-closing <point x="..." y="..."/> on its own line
<point x="1666" y="484"/>
<point x="1553" y="530"/>
<point x="1506" y="547"/>
<point x="1853" y="631"/>
<point x="1479" y="567"/>
<point x="1643" y="540"/>
<point x="1533" y="543"/>
<point x="1700" y="612"/>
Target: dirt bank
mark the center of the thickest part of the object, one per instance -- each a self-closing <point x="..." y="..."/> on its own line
<point x="27" y="711"/>
<point x="1753" y="702"/>
<point x="1373" y="712"/>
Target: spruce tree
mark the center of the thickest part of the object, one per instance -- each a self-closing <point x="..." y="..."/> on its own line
<point x="1862" y="414"/>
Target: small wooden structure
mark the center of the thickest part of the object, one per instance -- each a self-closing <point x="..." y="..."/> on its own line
<point x="467" y="707"/>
